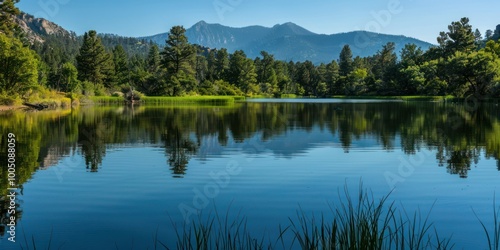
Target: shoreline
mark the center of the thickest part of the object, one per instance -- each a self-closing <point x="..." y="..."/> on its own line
<point x="4" y="108"/>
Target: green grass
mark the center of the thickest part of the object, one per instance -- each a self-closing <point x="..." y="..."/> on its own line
<point x="288" y="96"/>
<point x="153" y="100"/>
<point x="217" y="100"/>
<point x="493" y="236"/>
<point x="426" y="98"/>
<point x="366" y="223"/>
<point x="107" y="99"/>
<point x="215" y="232"/>
<point x="359" y="222"/>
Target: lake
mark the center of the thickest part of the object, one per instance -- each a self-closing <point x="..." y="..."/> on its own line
<point x="114" y="177"/>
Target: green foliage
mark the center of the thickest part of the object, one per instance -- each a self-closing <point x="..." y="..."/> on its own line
<point x="10" y="100"/>
<point x="70" y="76"/>
<point x="215" y="100"/>
<point x="18" y="66"/>
<point x="462" y="64"/>
<point x="107" y="99"/>
<point x="290" y="96"/>
<point x="8" y="12"/>
<point x="345" y="61"/>
<point x="179" y="58"/>
<point x="178" y="54"/>
<point x="154" y="59"/>
<point x="88" y="88"/>
<point x="473" y="73"/>
<point x="219" y="87"/>
<point x="242" y="73"/>
<point x="355" y="82"/>
<point x="120" y="61"/>
<point x="94" y="63"/>
<point x="459" y="37"/>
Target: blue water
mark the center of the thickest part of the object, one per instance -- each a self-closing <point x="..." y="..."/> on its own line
<point x="265" y="174"/>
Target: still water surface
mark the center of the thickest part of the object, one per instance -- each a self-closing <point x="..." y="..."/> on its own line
<point x="116" y="177"/>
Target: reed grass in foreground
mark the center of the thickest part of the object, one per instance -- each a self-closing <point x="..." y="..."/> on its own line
<point x="358" y="223"/>
<point x="492" y="237"/>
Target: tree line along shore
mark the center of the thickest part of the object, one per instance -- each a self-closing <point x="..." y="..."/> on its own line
<point x="65" y="71"/>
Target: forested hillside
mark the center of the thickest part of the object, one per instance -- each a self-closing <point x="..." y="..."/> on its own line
<point x="464" y="63"/>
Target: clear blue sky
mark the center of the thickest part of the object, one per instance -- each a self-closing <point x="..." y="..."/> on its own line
<point x="422" y="19"/>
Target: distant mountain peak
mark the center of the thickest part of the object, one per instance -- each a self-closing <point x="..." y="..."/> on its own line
<point x="201" y="23"/>
<point x="289" y="41"/>
<point x="290" y="28"/>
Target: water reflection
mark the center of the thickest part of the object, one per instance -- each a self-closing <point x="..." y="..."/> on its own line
<point x="179" y="148"/>
<point x="458" y="136"/>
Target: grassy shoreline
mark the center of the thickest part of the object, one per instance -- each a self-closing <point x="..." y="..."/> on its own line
<point x="61" y="100"/>
<point x="152" y="100"/>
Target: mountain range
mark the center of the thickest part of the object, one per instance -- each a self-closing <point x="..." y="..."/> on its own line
<point x="286" y="41"/>
<point x="289" y="41"/>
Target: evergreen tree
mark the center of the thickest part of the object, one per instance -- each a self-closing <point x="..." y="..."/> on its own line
<point x="345" y="61"/>
<point x="211" y="65"/>
<point x="385" y="60"/>
<point x="332" y="77"/>
<point x="201" y="68"/>
<point x="154" y="59"/>
<point x="496" y="34"/>
<point x="179" y="60"/>
<point x="411" y="55"/>
<point x="479" y="38"/>
<point x="222" y="64"/>
<point x="120" y="61"/>
<point x="266" y="74"/>
<point x="459" y="37"/>
<point x="8" y="13"/>
<point x="94" y="63"/>
<point x="178" y="54"/>
<point x="242" y="73"/>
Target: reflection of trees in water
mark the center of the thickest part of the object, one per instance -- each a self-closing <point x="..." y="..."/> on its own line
<point x="179" y="149"/>
<point x="440" y="127"/>
<point x="91" y="139"/>
<point x="458" y="161"/>
<point x="457" y="135"/>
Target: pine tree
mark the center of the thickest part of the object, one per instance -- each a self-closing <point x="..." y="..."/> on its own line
<point x="8" y="12"/>
<point x="241" y="72"/>
<point x="94" y="63"/>
<point x="178" y="55"/>
<point x="179" y="60"/>
<point x="153" y="59"/>
<point x="222" y="64"/>
<point x="345" y="61"/>
<point x="120" y="61"/>
<point x="459" y="37"/>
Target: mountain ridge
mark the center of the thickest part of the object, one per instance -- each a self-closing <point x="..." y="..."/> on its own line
<point x="289" y="41"/>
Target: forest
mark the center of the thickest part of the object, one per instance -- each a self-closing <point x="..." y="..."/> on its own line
<point x="464" y="63"/>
